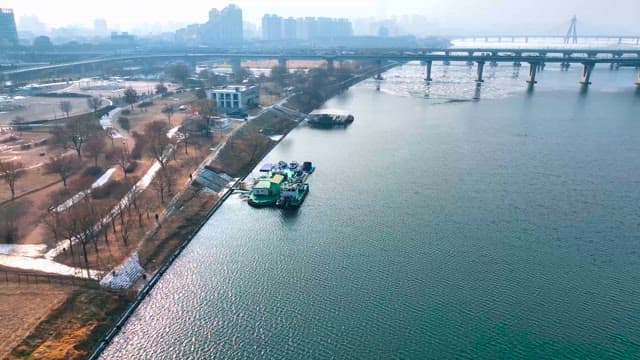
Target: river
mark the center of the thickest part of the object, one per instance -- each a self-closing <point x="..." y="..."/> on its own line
<point x="436" y="227"/>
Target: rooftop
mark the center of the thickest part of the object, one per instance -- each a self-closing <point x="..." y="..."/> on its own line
<point x="263" y="184"/>
<point x="234" y="88"/>
<point x="277" y="179"/>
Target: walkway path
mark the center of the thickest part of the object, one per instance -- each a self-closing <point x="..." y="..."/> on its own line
<point x="36" y="259"/>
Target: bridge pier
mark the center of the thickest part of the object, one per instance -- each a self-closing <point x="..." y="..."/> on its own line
<point x="586" y="72"/>
<point x="477" y="92"/>
<point x="480" y="72"/>
<point x="638" y="78"/>
<point x="517" y="64"/>
<point x="533" y="68"/>
<point x="428" y="71"/>
<point x="379" y="65"/>
<point x="564" y="66"/>
<point x="282" y="62"/>
<point x="330" y="64"/>
<point x="236" y="65"/>
<point x="493" y="63"/>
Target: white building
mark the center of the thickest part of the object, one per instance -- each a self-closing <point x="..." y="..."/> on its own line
<point x="235" y="98"/>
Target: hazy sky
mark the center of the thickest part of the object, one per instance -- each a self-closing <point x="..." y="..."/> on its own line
<point x="610" y="15"/>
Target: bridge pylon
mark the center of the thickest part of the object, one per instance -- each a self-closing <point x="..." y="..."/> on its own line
<point x="572" y="34"/>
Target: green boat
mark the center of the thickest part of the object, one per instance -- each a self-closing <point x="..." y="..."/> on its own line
<point x="283" y="185"/>
<point x="266" y="192"/>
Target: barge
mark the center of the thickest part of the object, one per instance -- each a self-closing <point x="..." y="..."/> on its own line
<point x="282" y="184"/>
<point x="325" y="118"/>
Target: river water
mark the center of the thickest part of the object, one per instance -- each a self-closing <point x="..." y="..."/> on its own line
<point x="436" y="227"/>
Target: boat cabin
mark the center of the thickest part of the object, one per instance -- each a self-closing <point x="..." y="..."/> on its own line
<point x="263" y="187"/>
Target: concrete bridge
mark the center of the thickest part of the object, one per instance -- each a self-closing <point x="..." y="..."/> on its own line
<point x="584" y="39"/>
<point x="537" y="58"/>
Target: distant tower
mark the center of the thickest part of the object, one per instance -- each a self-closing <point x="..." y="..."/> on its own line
<point x="8" y="33"/>
<point x="572" y="34"/>
<point x="100" y="28"/>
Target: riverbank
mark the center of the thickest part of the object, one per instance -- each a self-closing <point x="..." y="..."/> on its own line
<point x="240" y="154"/>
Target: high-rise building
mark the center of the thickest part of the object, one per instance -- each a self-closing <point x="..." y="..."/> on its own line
<point x="232" y="30"/>
<point x="289" y="29"/>
<point x="311" y="28"/>
<point x="272" y="27"/>
<point x="223" y="28"/>
<point x="8" y="32"/>
<point x="302" y="30"/>
<point x="100" y="28"/>
<point x="31" y="24"/>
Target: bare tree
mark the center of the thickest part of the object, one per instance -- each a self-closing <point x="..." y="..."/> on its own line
<point x="163" y="183"/>
<point x="64" y="166"/>
<point x="158" y="143"/>
<point x="161" y="90"/>
<point x="179" y="72"/>
<point x="51" y="221"/>
<point x="94" y="102"/>
<point x="76" y="133"/>
<point x="122" y="156"/>
<point x="81" y="223"/>
<point x="169" y="110"/>
<point x="95" y="147"/>
<point x="125" y="229"/>
<point x="10" y="217"/>
<point x="11" y="172"/>
<point x="185" y="134"/>
<point x="130" y="96"/>
<point x="147" y="203"/>
<point x="207" y="108"/>
<point x="66" y="107"/>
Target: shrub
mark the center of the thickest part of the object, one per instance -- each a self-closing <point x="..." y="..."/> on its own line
<point x="125" y="112"/>
<point x="140" y="144"/>
<point x="102" y="192"/>
<point x="124" y="123"/>
<point x="131" y="167"/>
<point x="93" y="171"/>
<point x="112" y="189"/>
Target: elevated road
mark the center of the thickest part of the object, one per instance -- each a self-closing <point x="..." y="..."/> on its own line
<point x="536" y="57"/>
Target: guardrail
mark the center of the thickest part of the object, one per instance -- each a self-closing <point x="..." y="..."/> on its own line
<point x="23" y="277"/>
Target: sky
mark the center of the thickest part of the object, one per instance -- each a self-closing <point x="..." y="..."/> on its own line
<point x="459" y="16"/>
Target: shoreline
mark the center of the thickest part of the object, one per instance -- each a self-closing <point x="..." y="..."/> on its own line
<point x="336" y="89"/>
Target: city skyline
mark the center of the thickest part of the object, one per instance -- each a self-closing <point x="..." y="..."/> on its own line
<point x="462" y="16"/>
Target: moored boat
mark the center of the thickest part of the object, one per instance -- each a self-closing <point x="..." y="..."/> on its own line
<point x="329" y="118"/>
<point x="283" y="185"/>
